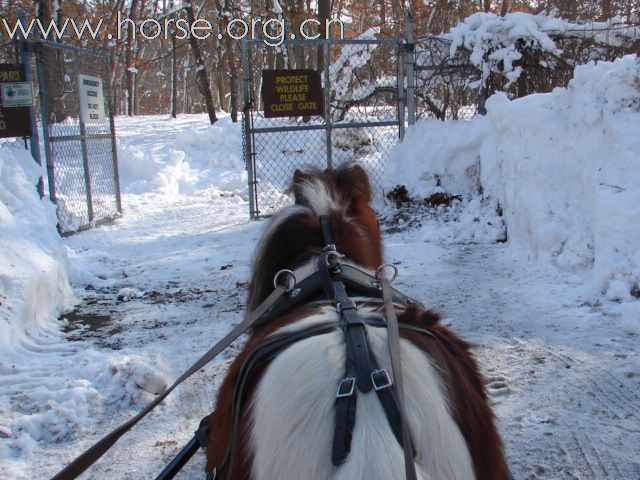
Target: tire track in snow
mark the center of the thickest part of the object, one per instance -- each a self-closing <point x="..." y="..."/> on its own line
<point x="561" y="418"/>
<point x="621" y="401"/>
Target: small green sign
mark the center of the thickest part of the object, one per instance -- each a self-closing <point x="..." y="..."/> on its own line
<point x="17" y="94"/>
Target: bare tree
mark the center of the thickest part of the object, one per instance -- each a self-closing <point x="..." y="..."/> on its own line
<point x="202" y="79"/>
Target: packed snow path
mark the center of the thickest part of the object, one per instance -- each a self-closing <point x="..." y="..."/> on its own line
<point x="564" y="380"/>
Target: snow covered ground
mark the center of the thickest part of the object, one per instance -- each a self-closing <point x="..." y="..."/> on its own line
<point x="146" y="296"/>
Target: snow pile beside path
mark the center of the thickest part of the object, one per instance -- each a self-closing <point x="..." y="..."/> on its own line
<point x="196" y="158"/>
<point x="51" y="389"/>
<point x="34" y="286"/>
<point x="61" y="394"/>
<point x="437" y="154"/>
<point x="564" y="168"/>
<point x="439" y="158"/>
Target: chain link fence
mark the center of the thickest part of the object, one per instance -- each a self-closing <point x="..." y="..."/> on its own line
<point x="81" y="155"/>
<point x="361" y="121"/>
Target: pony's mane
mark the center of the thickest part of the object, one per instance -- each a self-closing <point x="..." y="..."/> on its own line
<point x="294" y="235"/>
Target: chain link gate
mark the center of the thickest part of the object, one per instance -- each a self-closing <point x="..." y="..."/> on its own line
<point x="81" y="156"/>
<point x="363" y="114"/>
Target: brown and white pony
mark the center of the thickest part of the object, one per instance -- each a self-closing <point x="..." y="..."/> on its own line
<point x="287" y="421"/>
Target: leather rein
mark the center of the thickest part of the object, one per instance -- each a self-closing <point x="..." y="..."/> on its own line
<point x="329" y="274"/>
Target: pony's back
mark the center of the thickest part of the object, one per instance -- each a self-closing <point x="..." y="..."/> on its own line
<point x="283" y="423"/>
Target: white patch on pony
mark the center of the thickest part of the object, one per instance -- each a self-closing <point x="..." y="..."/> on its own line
<point x="326" y="314"/>
<point x="319" y="196"/>
<point x="292" y="416"/>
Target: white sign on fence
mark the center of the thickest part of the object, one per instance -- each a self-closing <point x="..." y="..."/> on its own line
<point x="17" y="94"/>
<point x="91" y="99"/>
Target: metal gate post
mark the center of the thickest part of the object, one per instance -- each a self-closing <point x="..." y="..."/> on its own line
<point x="411" y="81"/>
<point x="114" y="153"/>
<point x="327" y="100"/>
<point x="85" y="152"/>
<point x="85" y="167"/>
<point x="112" y="131"/>
<point x="400" y="85"/>
<point x="26" y="51"/>
<point x="44" y="114"/>
<point x="247" y="131"/>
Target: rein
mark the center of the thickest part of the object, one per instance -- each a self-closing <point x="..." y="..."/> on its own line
<point x="90" y="456"/>
<point x="326" y="273"/>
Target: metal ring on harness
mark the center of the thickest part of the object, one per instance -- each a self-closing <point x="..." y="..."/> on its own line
<point x="332" y="258"/>
<point x="291" y="285"/>
<point x="381" y="268"/>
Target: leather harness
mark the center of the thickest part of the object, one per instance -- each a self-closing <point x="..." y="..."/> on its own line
<point x="330" y="277"/>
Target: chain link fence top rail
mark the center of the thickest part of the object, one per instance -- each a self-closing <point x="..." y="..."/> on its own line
<point x="82" y="166"/>
<point x="363" y="113"/>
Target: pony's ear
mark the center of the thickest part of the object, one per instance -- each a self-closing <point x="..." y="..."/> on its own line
<point x="353" y="184"/>
<point x="299" y="178"/>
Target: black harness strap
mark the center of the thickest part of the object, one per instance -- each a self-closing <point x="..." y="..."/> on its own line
<point x="357" y="370"/>
<point x="198" y="441"/>
<point x="361" y="367"/>
<point x="327" y="236"/>
<point x="355" y="338"/>
<point x="362" y="371"/>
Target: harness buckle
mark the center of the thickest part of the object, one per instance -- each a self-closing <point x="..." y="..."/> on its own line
<point x="381" y="379"/>
<point x="346" y="388"/>
<point x="332" y="260"/>
<point x="345" y="305"/>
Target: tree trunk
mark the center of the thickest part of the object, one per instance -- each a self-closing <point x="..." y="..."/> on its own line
<point x="233" y="79"/>
<point x="174" y="78"/>
<point x="128" y="59"/>
<point x="202" y="79"/>
<point x="231" y="65"/>
<point x="607" y="11"/>
<point x="54" y="66"/>
<point x="324" y="14"/>
<point x="505" y="7"/>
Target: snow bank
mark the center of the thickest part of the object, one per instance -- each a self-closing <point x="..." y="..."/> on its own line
<point x="439" y="154"/>
<point x="199" y="157"/>
<point x="437" y="157"/>
<point x="34" y="286"/>
<point x="563" y="166"/>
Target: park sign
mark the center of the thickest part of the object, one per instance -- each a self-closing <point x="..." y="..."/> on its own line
<point x="17" y="96"/>
<point x="292" y="93"/>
